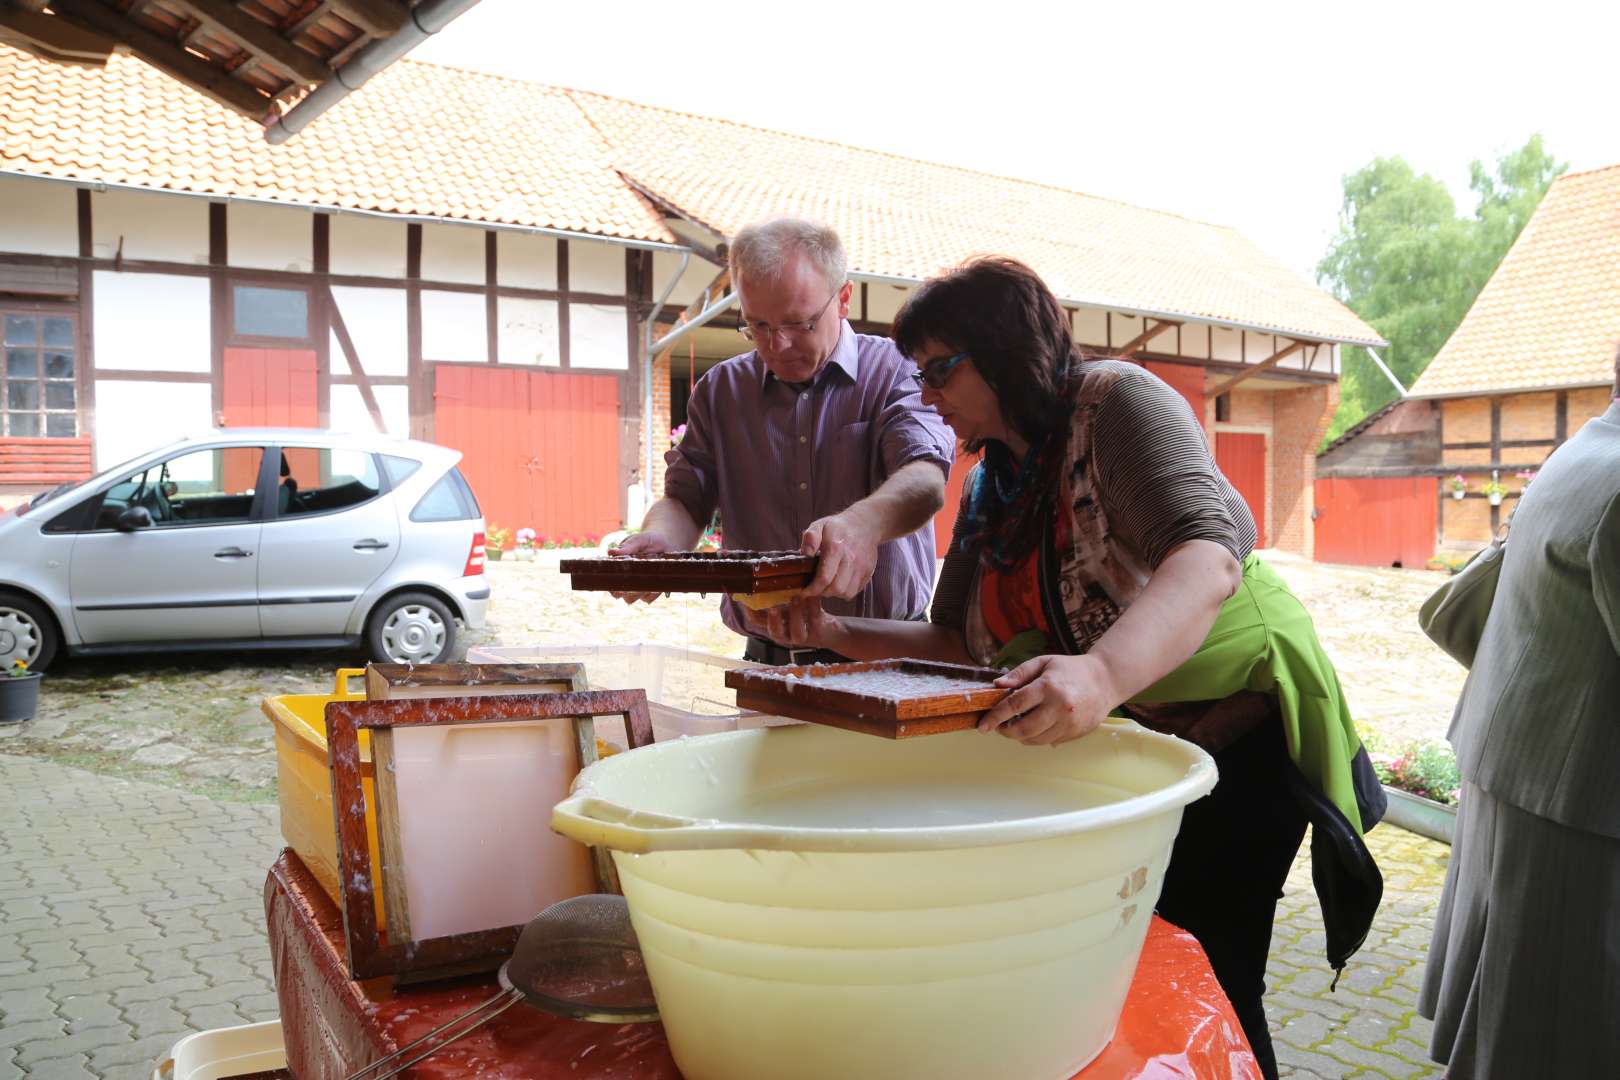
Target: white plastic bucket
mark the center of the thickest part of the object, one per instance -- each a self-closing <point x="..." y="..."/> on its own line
<point x="814" y="903"/>
<point x="225" y="1052"/>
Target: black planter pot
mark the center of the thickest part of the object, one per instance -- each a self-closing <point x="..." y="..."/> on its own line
<point x="19" y="698"/>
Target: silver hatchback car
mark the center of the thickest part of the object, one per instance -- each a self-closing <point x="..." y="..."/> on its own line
<point x="249" y="538"/>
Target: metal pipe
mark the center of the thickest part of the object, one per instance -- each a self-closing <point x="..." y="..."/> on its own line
<point x="674" y="336"/>
<point x="287" y="204"/>
<point x="427" y="19"/>
<point x="1388" y="374"/>
<point x="646" y="380"/>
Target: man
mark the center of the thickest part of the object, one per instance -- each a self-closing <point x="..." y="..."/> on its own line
<point x="1523" y="977"/>
<point x="816" y="441"/>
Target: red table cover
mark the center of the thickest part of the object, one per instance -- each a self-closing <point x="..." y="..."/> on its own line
<point x="1176" y="1022"/>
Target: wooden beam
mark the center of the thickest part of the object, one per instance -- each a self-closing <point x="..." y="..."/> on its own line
<point x="379" y="18"/>
<point x="1269" y="362"/>
<point x="314" y="15"/>
<point x="165" y="55"/>
<point x="258" y="38"/>
<point x="1143" y="338"/>
<point x="53" y="38"/>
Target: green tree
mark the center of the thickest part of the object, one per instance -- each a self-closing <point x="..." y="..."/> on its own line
<point x="1407" y="263"/>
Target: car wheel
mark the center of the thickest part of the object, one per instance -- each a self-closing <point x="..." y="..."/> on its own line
<point x="27" y="633"/>
<point x="411" y="628"/>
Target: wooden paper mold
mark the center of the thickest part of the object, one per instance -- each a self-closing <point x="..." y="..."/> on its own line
<point x="693" y="571"/>
<point x="424" y="939"/>
<point x="896" y="699"/>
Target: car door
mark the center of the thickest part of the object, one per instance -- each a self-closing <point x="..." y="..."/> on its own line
<point x="330" y="532"/>
<point x="190" y="572"/>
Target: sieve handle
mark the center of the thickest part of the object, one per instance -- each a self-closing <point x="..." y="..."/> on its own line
<point x="603" y="823"/>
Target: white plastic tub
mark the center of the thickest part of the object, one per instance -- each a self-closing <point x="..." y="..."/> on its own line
<point x="814" y="903"/>
<point x="225" y="1052"/>
<point x="686" y="689"/>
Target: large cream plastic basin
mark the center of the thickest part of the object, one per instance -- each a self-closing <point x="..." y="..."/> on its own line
<point x="815" y="904"/>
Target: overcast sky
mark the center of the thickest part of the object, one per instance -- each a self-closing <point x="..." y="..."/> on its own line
<point x="1245" y="114"/>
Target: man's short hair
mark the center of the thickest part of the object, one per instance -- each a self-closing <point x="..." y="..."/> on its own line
<point x="761" y="251"/>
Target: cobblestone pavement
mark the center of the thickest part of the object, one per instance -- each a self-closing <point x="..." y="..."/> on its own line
<point x="131" y="913"/>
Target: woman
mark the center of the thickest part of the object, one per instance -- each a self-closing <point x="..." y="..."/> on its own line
<point x="1100" y="551"/>
<point x="1523" y="977"/>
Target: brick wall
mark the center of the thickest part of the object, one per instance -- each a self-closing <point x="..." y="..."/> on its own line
<point x="1300" y="419"/>
<point x="660" y="427"/>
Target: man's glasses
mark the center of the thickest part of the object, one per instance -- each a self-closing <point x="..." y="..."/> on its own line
<point x="937" y="374"/>
<point x="764" y="331"/>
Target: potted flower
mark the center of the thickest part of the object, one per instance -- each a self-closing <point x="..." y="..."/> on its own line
<point x="495" y="541"/>
<point x="1458" y="485"/>
<point x="1494" y="490"/>
<point x="19" y="693"/>
<point x="524" y="552"/>
<point x="1526" y="475"/>
<point x="1421" y="782"/>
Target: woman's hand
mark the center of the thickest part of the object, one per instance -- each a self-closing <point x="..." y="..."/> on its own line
<point x="798" y="624"/>
<point x="1055" y="699"/>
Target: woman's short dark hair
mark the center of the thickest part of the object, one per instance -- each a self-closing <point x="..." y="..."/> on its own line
<point x="999" y="312"/>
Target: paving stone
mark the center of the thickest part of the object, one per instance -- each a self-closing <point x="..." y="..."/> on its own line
<point x="70" y="1045"/>
<point x="155" y="1017"/>
<point x="21" y="1006"/>
<point x="75" y="1067"/>
<point x="205" y="1017"/>
<point x="19" y="1035"/>
<point x="134" y="1059"/>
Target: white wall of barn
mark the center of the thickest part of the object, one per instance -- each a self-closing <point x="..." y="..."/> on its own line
<point x="367" y="246"/>
<point x="149" y="227"/>
<point x="38" y="217"/>
<point x="527" y="331"/>
<point x="134" y="417"/>
<point x="525" y="261"/>
<point x="151" y="322"/>
<point x="260" y="237"/>
<point x="596" y="267"/>
<point x="453" y="253"/>
<point x="454" y="327"/>
<point x="376" y="321"/>
<point x="349" y="412"/>
<point x="598" y="337"/>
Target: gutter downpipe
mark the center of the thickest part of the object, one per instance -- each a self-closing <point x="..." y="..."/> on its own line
<point x="646" y="380"/>
<point x="656" y="347"/>
<point x="427" y="19"/>
<point x="1388" y="374"/>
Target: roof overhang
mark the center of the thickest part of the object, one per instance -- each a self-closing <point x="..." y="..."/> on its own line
<point x="278" y="62"/>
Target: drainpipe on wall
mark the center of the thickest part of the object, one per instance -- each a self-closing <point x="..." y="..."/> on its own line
<point x="427" y="19"/>
<point x="1388" y="374"/>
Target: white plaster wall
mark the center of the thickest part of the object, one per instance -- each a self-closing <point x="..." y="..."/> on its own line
<point x="269" y="237"/>
<point x="348" y="410"/>
<point x="375" y="319"/>
<point x="1225" y="344"/>
<point x="527" y="332"/>
<point x="158" y="322"/>
<point x="134" y="417"/>
<point x="453" y="253"/>
<point x="367" y="245"/>
<point x="170" y="228"/>
<point x="453" y="327"/>
<point x="525" y="260"/>
<point x="595" y="267"/>
<point x="1258" y="347"/>
<point x="1195" y="340"/>
<point x="699" y="272"/>
<point x="1091" y="327"/>
<point x="38" y="217"/>
<point x="598" y="337"/>
<point x="883" y="300"/>
<point x="1123" y="329"/>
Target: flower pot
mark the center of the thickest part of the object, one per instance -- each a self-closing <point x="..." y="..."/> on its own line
<point x="493" y="554"/>
<point x="1423" y="816"/>
<point x="523" y="554"/>
<point x="19" y="697"/>
<point x="1458" y="493"/>
<point x="1495" y="497"/>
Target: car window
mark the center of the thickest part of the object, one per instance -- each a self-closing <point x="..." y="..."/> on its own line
<point x="321" y="481"/>
<point x="204" y="487"/>
<point x="450" y="499"/>
<point x="399" y="469"/>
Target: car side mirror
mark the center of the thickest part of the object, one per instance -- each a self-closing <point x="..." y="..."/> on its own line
<point x="134" y="517"/>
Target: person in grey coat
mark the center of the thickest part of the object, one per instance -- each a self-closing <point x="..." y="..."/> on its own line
<point x="1523" y="975"/>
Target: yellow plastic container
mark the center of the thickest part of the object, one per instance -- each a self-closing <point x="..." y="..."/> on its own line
<point x="304" y="781"/>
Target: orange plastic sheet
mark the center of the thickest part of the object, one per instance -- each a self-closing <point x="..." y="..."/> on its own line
<point x="1176" y="1022"/>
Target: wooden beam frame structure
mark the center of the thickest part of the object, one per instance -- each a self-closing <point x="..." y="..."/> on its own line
<point x="1143" y="338"/>
<point x="258" y="38"/>
<point x="1269" y="362"/>
<point x="379" y="18"/>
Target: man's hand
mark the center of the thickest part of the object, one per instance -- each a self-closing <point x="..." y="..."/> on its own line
<point x="1054" y="699"/>
<point x="848" y="548"/>
<point x="645" y="542"/>
<point x="798" y="624"/>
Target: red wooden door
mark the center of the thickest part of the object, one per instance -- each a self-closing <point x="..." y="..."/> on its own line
<point x="1382" y="521"/>
<point x="1186" y="380"/>
<point x="272" y="388"/>
<point x="541" y="448"/>
<point x="1242" y="458"/>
